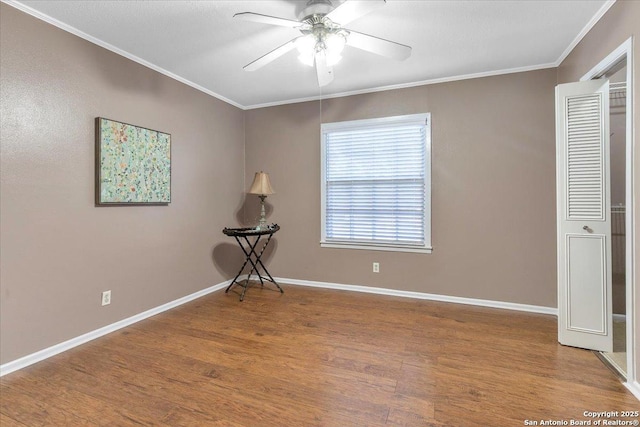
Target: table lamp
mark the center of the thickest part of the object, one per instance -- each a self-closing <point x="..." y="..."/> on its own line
<point x="262" y="187"/>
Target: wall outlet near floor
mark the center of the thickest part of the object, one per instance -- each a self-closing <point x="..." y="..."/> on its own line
<point x="106" y="298"/>
<point x="376" y="267"/>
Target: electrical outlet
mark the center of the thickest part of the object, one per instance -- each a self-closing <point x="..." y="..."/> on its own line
<point x="106" y="298"/>
<point x="376" y="267"/>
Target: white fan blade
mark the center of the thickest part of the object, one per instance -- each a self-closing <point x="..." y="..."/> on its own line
<point x="271" y="20"/>
<point x="351" y="10"/>
<point x="324" y="72"/>
<point x="378" y="46"/>
<point x="274" y="54"/>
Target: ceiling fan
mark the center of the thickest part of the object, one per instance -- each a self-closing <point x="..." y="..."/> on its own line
<point x="324" y="36"/>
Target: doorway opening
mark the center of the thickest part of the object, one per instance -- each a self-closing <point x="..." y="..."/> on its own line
<point x="617" y="76"/>
<point x="624" y="288"/>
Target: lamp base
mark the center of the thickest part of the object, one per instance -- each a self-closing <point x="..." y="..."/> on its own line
<point x="263" y="219"/>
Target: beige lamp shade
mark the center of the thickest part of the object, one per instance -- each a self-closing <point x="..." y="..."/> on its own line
<point x="261" y="184"/>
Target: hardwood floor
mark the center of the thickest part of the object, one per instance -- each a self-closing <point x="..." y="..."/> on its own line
<point x="315" y="357"/>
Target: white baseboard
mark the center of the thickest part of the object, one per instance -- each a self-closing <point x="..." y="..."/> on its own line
<point x="633" y="387"/>
<point x="38" y="356"/>
<point x="23" y="362"/>
<point x="421" y="295"/>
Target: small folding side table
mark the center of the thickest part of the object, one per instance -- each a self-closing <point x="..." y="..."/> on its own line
<point x="249" y="248"/>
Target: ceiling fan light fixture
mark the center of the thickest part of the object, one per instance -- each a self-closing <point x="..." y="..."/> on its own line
<point x="330" y="44"/>
<point x="306" y="43"/>
<point x="334" y="45"/>
<point x="306" y="46"/>
<point x="335" y="42"/>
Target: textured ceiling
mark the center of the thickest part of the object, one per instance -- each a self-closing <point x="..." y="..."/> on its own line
<point x="201" y="44"/>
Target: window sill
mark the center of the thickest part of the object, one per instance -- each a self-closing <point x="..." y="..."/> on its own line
<point x="427" y="250"/>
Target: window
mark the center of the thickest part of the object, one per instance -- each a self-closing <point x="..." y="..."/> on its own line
<point x="376" y="184"/>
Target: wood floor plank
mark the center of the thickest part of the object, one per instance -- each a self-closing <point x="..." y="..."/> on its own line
<point x="314" y="357"/>
<point x="6" y="421"/>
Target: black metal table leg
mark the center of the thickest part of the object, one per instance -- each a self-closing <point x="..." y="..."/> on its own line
<point x="259" y="262"/>
<point x="235" y="279"/>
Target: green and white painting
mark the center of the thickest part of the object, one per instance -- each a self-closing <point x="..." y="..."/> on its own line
<point x="133" y="164"/>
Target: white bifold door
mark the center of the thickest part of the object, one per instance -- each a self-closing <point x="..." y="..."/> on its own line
<point x="584" y="215"/>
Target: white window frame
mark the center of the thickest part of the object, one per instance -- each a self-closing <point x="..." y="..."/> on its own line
<point x="423" y="119"/>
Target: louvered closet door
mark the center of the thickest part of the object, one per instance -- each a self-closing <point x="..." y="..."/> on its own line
<point x="584" y="218"/>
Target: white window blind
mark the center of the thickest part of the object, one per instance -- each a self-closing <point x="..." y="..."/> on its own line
<point x="376" y="183"/>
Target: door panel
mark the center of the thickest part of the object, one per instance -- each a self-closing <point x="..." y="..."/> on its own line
<point x="586" y="296"/>
<point x="584" y="219"/>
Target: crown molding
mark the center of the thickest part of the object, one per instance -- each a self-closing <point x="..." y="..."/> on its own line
<point x="599" y="14"/>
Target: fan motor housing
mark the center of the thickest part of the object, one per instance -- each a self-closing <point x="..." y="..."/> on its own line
<point x="316" y="7"/>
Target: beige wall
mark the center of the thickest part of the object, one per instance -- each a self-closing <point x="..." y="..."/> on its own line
<point x="59" y="252"/>
<point x="493" y="173"/>
<point x="617" y="25"/>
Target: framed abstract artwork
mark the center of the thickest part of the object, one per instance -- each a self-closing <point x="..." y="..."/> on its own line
<point x="133" y="165"/>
